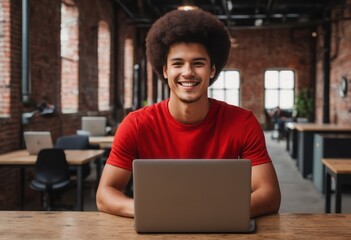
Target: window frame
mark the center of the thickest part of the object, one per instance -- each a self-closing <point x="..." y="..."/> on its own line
<point x="279" y="89"/>
<point x="225" y="89"/>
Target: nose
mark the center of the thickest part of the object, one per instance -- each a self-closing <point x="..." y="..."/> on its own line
<point x="188" y="71"/>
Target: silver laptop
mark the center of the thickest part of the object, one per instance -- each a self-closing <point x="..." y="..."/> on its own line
<point x="36" y="141"/>
<point x="192" y="195"/>
<point x="96" y="126"/>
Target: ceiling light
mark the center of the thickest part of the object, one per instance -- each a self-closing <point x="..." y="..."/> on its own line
<point x="187" y="7"/>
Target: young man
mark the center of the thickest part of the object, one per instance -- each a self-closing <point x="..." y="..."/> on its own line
<point x="188" y="49"/>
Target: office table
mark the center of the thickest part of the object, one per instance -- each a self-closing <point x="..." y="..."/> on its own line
<point x="96" y="225"/>
<point x="103" y="142"/>
<point x="340" y="169"/>
<point x="21" y="159"/>
<point x="306" y="133"/>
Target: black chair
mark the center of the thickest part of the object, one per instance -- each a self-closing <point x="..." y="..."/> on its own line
<point x="51" y="175"/>
<point x="75" y="142"/>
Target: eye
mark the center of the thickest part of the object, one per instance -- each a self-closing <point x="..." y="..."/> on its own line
<point x="177" y="64"/>
<point x="199" y="64"/>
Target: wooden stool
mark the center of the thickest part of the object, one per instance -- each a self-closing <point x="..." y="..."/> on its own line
<point x="340" y="169"/>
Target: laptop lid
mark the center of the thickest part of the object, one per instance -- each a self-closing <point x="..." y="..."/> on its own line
<point x="96" y="126"/>
<point x="36" y="141"/>
<point x="192" y="195"/>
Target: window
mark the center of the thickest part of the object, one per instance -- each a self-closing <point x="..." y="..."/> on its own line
<point x="69" y="57"/>
<point x="4" y="61"/>
<point x="104" y="46"/>
<point x="226" y="87"/>
<point x="128" y="73"/>
<point x="279" y="89"/>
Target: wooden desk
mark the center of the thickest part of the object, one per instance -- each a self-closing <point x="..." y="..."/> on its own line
<point x="96" y="225"/>
<point x="306" y="133"/>
<point x="21" y="159"/>
<point x="340" y="169"/>
<point x="103" y="142"/>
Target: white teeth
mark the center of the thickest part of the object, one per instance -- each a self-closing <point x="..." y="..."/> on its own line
<point x="188" y="84"/>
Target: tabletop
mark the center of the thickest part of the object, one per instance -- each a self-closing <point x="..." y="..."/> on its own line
<point x="73" y="157"/>
<point x="102" y="142"/>
<point x="320" y="127"/>
<point x="338" y="166"/>
<point x="97" y="225"/>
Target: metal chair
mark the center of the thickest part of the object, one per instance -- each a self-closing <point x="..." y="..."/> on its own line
<point x="51" y="175"/>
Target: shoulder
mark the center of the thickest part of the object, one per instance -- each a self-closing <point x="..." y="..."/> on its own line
<point x="148" y="113"/>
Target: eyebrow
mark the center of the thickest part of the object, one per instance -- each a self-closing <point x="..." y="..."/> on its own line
<point x="195" y="59"/>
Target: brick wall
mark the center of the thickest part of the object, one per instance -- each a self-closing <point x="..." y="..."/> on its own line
<point x="10" y="127"/>
<point x="45" y="75"/>
<point x="340" y="108"/>
<point x="259" y="50"/>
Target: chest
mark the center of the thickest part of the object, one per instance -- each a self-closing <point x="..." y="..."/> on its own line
<point x="207" y="141"/>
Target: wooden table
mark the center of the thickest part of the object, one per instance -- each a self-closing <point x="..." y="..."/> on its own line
<point x="96" y="225"/>
<point x="21" y="159"/>
<point x="340" y="169"/>
<point x="103" y="142"/>
<point x="306" y="133"/>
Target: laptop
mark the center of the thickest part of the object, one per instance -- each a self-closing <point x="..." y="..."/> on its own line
<point x="96" y="126"/>
<point x="36" y="141"/>
<point x="192" y="195"/>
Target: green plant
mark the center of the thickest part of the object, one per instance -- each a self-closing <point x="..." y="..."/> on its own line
<point x="304" y="104"/>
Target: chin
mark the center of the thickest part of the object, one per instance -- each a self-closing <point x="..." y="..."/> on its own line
<point x="189" y="100"/>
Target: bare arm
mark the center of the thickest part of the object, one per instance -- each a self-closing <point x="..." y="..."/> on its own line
<point x="265" y="196"/>
<point x="110" y="197"/>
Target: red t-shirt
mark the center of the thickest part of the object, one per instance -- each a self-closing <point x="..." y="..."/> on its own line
<point x="227" y="132"/>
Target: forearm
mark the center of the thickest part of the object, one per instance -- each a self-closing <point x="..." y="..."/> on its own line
<point x="112" y="201"/>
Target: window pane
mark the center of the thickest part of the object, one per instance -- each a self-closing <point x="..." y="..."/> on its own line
<point x="219" y="83"/>
<point x="70" y="58"/>
<point x="227" y="87"/>
<point x="271" y="99"/>
<point x="286" y="99"/>
<point x="232" y="97"/>
<point x="280" y="87"/>
<point x="231" y="79"/>
<point x="104" y="46"/>
<point x="286" y="79"/>
<point x="271" y="79"/>
<point x="128" y="72"/>
<point x="218" y="94"/>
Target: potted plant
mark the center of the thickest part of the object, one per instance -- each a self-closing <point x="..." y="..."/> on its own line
<point x="304" y="106"/>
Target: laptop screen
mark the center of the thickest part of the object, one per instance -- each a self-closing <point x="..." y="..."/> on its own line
<point x="37" y="140"/>
<point x="96" y="126"/>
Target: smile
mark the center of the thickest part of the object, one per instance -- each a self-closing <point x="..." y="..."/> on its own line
<point x="189" y="84"/>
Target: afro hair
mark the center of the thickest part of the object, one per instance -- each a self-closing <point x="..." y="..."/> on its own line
<point x="196" y="26"/>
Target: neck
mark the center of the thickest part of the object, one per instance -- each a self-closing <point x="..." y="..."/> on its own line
<point x="189" y="113"/>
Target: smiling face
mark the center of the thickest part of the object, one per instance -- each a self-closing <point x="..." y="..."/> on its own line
<point x="188" y="70"/>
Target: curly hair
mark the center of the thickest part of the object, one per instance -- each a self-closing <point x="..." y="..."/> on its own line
<point x="197" y="26"/>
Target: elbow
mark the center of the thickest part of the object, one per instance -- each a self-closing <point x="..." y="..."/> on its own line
<point x="275" y="203"/>
<point x="265" y="203"/>
<point x="99" y="201"/>
<point x="275" y="207"/>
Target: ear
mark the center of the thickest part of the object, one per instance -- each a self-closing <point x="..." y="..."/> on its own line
<point x="165" y="75"/>
<point x="213" y="71"/>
